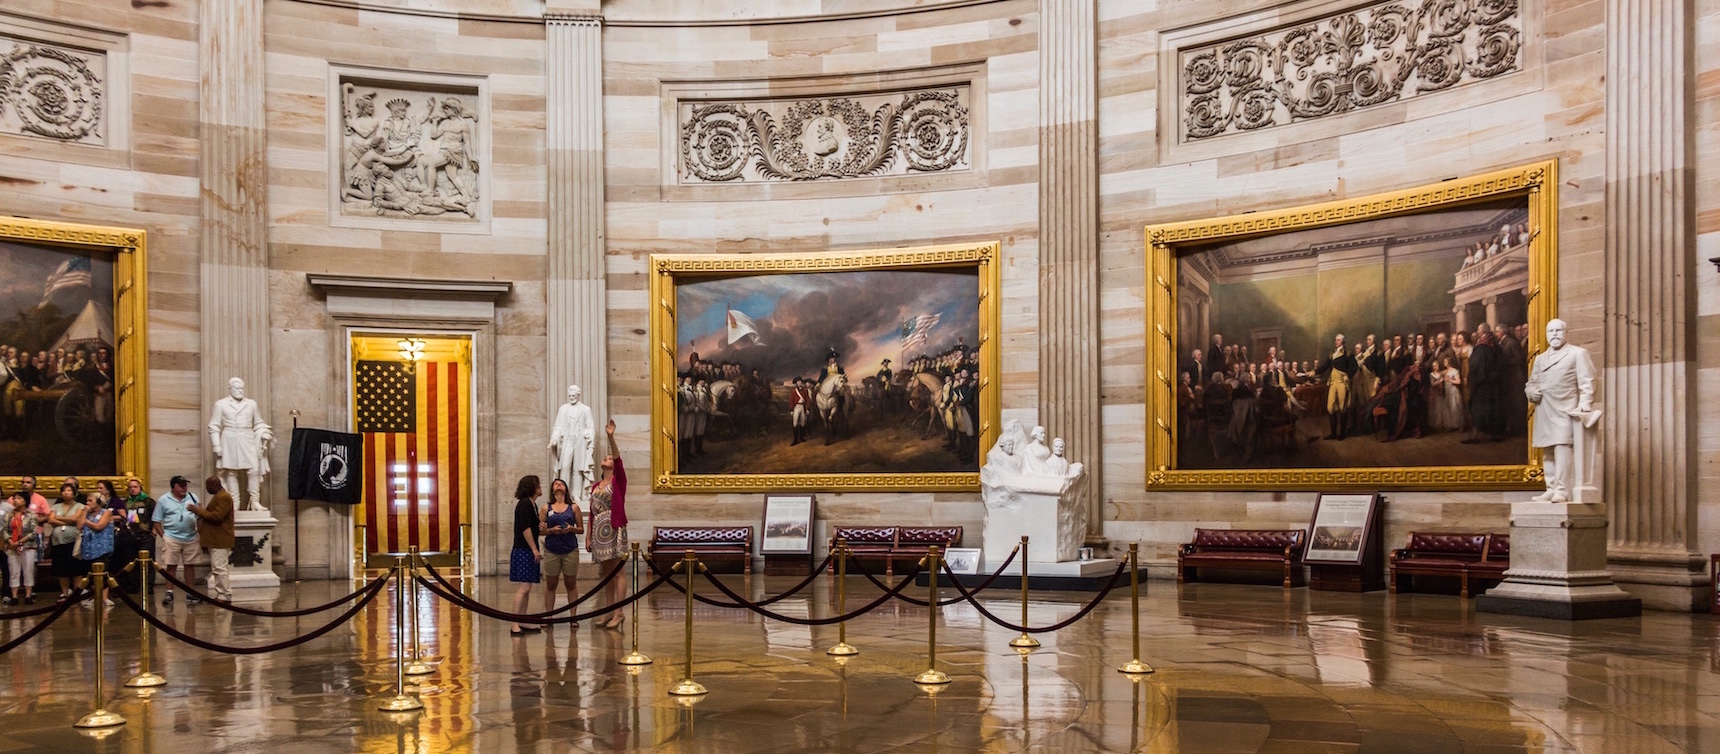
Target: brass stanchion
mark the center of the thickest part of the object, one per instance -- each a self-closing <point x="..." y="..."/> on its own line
<point x="1024" y="641"/>
<point x="401" y="701"/>
<point x="417" y="666"/>
<point x="146" y="574"/>
<point x="932" y="676"/>
<point x="687" y="686"/>
<point x="100" y="717"/>
<point x="634" y="657"/>
<point x="842" y="648"/>
<point x="1135" y="666"/>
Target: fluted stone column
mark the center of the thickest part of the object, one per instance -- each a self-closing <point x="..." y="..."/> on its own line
<point x="1648" y="365"/>
<point x="575" y="283"/>
<point x="233" y="175"/>
<point x="1069" y="237"/>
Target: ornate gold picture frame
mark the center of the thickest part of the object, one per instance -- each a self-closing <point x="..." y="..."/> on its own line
<point x="1226" y="258"/>
<point x="54" y="269"/>
<point x="745" y="349"/>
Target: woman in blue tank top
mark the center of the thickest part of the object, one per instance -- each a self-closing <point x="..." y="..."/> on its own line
<point x="562" y="525"/>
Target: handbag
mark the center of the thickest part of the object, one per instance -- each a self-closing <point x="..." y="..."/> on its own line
<point x="78" y="546"/>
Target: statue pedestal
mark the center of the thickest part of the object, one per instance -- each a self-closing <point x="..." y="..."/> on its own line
<point x="1559" y="566"/>
<point x="1043" y="509"/>
<point x="252" y="558"/>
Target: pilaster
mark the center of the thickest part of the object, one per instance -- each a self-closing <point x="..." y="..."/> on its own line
<point x="1069" y="237"/>
<point x="1648" y="363"/>
<point x="574" y="285"/>
<point x="233" y="177"/>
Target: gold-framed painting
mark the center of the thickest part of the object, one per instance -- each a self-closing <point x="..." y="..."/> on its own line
<point x="73" y="354"/>
<point x="836" y="371"/>
<point x="1372" y="343"/>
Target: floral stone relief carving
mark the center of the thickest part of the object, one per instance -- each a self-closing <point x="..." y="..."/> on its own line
<point x="896" y="133"/>
<point x="409" y="154"/>
<point x="1378" y="53"/>
<point x="52" y="92"/>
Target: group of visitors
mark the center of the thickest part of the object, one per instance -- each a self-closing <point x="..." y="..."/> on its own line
<point x="546" y="537"/>
<point x="78" y="529"/>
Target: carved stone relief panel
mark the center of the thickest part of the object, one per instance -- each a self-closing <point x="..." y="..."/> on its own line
<point x="893" y="133"/>
<point x="1367" y="55"/>
<point x="410" y="150"/>
<point x="53" y="92"/>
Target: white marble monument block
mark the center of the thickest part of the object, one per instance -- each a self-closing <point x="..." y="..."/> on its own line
<point x="1559" y="566"/>
<point x="252" y="557"/>
<point x="1033" y="491"/>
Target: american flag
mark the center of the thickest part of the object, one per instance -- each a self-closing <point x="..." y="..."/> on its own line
<point x="915" y="331"/>
<point x="416" y="423"/>
<point x="72" y="273"/>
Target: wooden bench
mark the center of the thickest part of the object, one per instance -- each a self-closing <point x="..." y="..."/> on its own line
<point x="1465" y="555"/>
<point x="892" y="543"/>
<point x="715" y="545"/>
<point x="1247" y="549"/>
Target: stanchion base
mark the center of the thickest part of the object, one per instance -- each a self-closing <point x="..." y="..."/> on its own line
<point x="1024" y="642"/>
<point x="843" y="649"/>
<point x="100" y="718"/>
<point x="418" y="668"/>
<point x="635" y="658"/>
<point x="1135" y="667"/>
<point x="932" y="678"/>
<point x="688" y="687"/>
<point x="145" y="681"/>
<point x="400" y="703"/>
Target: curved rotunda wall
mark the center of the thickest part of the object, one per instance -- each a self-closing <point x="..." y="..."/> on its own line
<point x="491" y="55"/>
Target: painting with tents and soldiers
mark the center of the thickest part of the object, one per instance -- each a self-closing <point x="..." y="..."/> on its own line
<point x="56" y="360"/>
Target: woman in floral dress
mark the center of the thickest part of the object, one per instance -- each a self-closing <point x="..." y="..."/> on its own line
<point x="607" y="534"/>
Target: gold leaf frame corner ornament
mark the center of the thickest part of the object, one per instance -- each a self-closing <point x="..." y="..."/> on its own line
<point x="129" y="247"/>
<point x="1537" y="183"/>
<point x="667" y="270"/>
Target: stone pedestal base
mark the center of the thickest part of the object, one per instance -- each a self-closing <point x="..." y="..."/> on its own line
<point x="1559" y="566"/>
<point x="253" y="545"/>
<point x="1054" y="523"/>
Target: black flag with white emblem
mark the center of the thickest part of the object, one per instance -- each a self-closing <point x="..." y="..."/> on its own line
<point x="326" y="466"/>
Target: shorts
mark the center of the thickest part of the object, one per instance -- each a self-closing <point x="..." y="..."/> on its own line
<point x="177" y="553"/>
<point x="555" y="566"/>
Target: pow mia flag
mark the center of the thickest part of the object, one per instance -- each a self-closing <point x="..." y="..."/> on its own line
<point x="326" y="466"/>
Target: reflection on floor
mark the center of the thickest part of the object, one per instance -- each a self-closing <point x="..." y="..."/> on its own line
<point x="1240" y="669"/>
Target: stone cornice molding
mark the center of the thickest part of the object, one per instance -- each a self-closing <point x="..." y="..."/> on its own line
<point x="572" y="19"/>
<point x="548" y="18"/>
<point x="432" y="288"/>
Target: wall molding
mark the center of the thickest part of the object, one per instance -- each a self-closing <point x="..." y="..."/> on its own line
<point x="65" y="92"/>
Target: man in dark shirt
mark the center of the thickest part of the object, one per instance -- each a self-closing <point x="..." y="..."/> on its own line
<point x="1486" y="381"/>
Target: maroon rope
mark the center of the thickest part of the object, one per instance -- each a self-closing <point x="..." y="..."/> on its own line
<point x="480" y="608"/>
<point x="370" y="593"/>
<point x="613" y="572"/>
<point x="953" y="600"/>
<point x="225" y="605"/>
<point x="1082" y="613"/>
<point x="78" y="596"/>
<point x="869" y="607"/>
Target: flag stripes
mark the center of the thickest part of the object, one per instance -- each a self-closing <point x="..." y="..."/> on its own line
<point x="415" y="479"/>
<point x="917" y="330"/>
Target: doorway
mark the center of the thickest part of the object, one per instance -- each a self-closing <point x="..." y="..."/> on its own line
<point x="412" y="404"/>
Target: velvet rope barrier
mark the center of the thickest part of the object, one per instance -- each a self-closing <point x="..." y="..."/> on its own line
<point x="869" y="607"/>
<point x="613" y="572"/>
<point x="370" y="593"/>
<point x="54" y="612"/>
<point x="480" y="608"/>
<point x="983" y="585"/>
<point x="225" y="605"/>
<point x="1082" y="613"/>
<point x="816" y="572"/>
<point x="78" y="596"/>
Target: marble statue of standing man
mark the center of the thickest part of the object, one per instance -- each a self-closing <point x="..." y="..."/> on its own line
<point x="241" y="441"/>
<point x="572" y="437"/>
<point x="1562" y="386"/>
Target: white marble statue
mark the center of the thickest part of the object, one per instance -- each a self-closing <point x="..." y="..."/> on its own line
<point x="572" y="438"/>
<point x="241" y="441"/>
<point x="1030" y="489"/>
<point x="1562" y="386"/>
<point x="1036" y="454"/>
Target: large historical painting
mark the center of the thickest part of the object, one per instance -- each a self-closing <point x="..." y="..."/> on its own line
<point x="1389" y="347"/>
<point x="858" y="371"/>
<point x="62" y="375"/>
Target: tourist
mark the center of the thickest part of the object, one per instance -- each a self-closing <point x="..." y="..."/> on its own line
<point x="215" y="532"/>
<point x="63" y="517"/>
<point x="523" y="563"/>
<point x="562" y="525"/>
<point x="22" y="549"/>
<point x="96" y="526"/>
<point x="136" y="534"/>
<point x="607" y="540"/>
<point x="176" y="525"/>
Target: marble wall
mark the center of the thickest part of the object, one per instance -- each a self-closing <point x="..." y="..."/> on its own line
<point x="1551" y="106"/>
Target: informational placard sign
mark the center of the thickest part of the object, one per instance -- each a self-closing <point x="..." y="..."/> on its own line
<point x="1340" y="529"/>
<point x="787" y="524"/>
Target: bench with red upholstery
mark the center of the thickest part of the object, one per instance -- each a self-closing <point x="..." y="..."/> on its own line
<point x="714" y="545"/>
<point x="1464" y="555"/>
<point x="1250" y="549"/>
<point x="892" y="543"/>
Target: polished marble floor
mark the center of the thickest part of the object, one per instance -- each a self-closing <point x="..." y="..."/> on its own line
<point x="1239" y="669"/>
